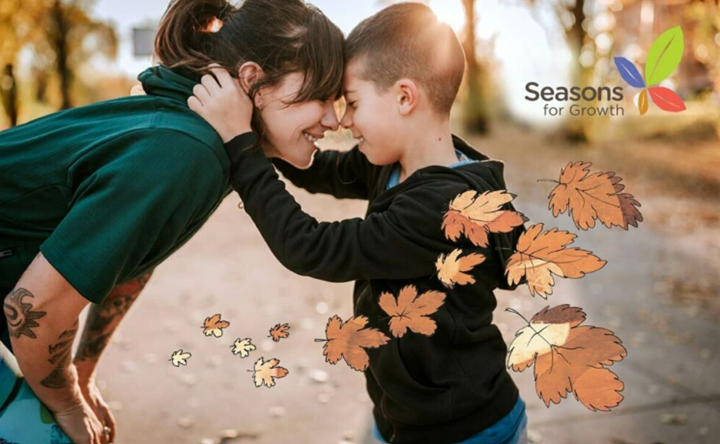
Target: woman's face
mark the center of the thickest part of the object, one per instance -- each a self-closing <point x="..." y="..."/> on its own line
<point x="292" y="130"/>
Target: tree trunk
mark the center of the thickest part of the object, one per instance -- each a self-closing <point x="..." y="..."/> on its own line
<point x="9" y="94"/>
<point x="59" y="41"/>
<point x="475" y="114"/>
<point x="575" y="130"/>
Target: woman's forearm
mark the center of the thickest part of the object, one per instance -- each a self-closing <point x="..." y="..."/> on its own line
<point x="42" y="336"/>
<point x="102" y="321"/>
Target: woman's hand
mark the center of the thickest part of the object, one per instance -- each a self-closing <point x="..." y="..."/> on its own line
<point x="81" y="424"/>
<point x="223" y="104"/>
<point x="94" y="398"/>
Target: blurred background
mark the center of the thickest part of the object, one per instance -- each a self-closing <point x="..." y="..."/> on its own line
<point x="660" y="292"/>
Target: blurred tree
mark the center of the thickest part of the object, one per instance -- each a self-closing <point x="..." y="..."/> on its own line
<point x="71" y="38"/>
<point x="14" y="28"/>
<point x="571" y="14"/>
<point x="705" y="15"/>
<point x="475" y="109"/>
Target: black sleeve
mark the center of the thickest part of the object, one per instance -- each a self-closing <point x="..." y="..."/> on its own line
<point x="343" y="174"/>
<point x="400" y="243"/>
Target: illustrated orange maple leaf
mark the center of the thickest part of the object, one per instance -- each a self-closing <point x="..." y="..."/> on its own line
<point x="410" y="311"/>
<point x="596" y="196"/>
<point x="349" y="340"/>
<point x="265" y="372"/>
<point x="539" y="255"/>
<point x="569" y="358"/>
<point x="476" y="215"/>
<point x="451" y="268"/>
<point x="279" y="331"/>
<point x="213" y="326"/>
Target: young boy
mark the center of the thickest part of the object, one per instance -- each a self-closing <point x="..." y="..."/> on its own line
<point x="403" y="72"/>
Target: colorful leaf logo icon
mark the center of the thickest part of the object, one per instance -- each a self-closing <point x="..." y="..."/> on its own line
<point x="663" y="58"/>
<point x="666" y="99"/>
<point x="629" y="73"/>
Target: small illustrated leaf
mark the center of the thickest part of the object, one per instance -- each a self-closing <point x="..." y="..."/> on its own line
<point x="664" y="56"/>
<point x="242" y="347"/>
<point x="643" y="102"/>
<point x="591" y="197"/>
<point x="629" y="72"/>
<point x="265" y="372"/>
<point x="213" y="326"/>
<point x="349" y="340"/>
<point x="411" y="311"/>
<point x="452" y="268"/>
<point x="279" y="331"/>
<point x="180" y="357"/>
<point x="666" y="99"/>
<point x="569" y="358"/>
<point x="542" y="254"/>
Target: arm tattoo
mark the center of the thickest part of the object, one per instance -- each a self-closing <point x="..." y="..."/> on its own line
<point x="19" y="313"/>
<point x="60" y="353"/>
<point x="103" y="319"/>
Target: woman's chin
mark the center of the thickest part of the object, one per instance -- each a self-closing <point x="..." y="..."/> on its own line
<point x="301" y="162"/>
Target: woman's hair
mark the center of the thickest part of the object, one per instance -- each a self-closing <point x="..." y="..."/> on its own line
<point x="282" y="36"/>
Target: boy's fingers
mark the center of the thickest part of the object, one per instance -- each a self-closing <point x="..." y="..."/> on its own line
<point x="194" y="104"/>
<point x="222" y="75"/>
<point x="137" y="90"/>
<point x="210" y="83"/>
<point x="201" y="93"/>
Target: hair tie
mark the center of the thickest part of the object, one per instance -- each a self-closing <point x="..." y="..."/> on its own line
<point x="213" y="26"/>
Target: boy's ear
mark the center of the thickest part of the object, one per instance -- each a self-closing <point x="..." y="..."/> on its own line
<point x="407" y="95"/>
<point x="248" y="74"/>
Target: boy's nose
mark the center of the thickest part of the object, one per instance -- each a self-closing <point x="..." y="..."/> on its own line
<point x="330" y="119"/>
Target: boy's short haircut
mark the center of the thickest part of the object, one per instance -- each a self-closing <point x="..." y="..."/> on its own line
<point x="408" y="40"/>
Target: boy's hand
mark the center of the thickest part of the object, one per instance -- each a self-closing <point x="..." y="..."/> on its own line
<point x="224" y="105"/>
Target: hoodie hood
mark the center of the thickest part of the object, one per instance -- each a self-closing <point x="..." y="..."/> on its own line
<point x="485" y="174"/>
<point x="171" y="83"/>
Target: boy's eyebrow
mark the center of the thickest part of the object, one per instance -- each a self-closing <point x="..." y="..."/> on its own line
<point x="349" y="91"/>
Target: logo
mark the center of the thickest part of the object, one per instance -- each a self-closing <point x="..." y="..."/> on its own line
<point x="662" y="59"/>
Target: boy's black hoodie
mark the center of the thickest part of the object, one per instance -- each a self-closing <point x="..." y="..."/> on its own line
<point x="435" y="389"/>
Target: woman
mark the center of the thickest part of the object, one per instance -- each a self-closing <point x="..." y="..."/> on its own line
<point x="91" y="199"/>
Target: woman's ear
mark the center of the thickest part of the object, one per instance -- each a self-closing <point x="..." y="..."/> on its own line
<point x="407" y="96"/>
<point x="249" y="74"/>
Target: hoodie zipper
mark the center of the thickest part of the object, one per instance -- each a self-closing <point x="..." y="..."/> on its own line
<point x="6" y="253"/>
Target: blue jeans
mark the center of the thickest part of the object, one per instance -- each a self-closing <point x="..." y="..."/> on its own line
<point x="511" y="429"/>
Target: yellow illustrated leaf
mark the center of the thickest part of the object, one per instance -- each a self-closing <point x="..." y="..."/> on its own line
<point x="410" y="311"/>
<point x="349" y="340"/>
<point x="242" y="347"/>
<point x="569" y="358"/>
<point x="266" y="372"/>
<point x="451" y="269"/>
<point x="180" y="357"/>
<point x="279" y="331"/>
<point x="596" y="196"/>
<point x="476" y="215"/>
<point x="540" y="254"/>
<point x="213" y="326"/>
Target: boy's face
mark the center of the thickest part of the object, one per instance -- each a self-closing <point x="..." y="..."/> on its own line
<point x="372" y="117"/>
